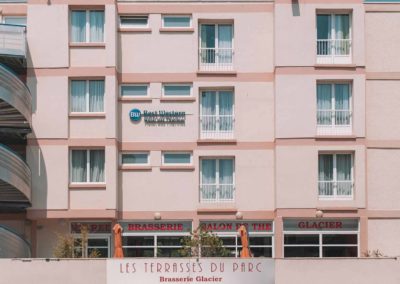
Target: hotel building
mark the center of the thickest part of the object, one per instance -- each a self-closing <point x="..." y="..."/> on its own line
<point x="168" y="116"/>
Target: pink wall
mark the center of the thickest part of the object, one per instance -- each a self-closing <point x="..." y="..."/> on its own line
<point x="296" y="46"/>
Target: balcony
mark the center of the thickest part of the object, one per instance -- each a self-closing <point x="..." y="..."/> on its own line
<point x="15" y="102"/>
<point x="336" y="189"/>
<point x="217" y="193"/>
<point x="15" y="179"/>
<point x="334" y="51"/>
<point x="334" y="122"/>
<point x="218" y="127"/>
<point x="12" y="245"/>
<point x="216" y="59"/>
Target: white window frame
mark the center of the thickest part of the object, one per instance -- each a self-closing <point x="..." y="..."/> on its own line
<point x="177" y="84"/>
<point x="147" y="16"/>
<point x="87" y="94"/>
<point x="155" y="235"/>
<point x="176" y="164"/>
<point x="134" y="85"/>
<point x="228" y="135"/>
<point x="217" y="184"/>
<point x="96" y="236"/>
<point x="334" y="181"/>
<point x="87" y="26"/>
<point x="320" y="245"/>
<point x="177" y="16"/>
<point x="333" y="35"/>
<point x="138" y="164"/>
<point x="333" y="101"/>
<point x="251" y="234"/>
<point x="87" y="166"/>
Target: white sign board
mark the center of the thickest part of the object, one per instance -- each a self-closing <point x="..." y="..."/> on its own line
<point x="190" y="271"/>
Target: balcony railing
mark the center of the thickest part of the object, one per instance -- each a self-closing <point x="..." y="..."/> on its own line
<point x="217" y="126"/>
<point x="335" y="189"/>
<point x="334" y="122"/>
<point x="216" y="59"/>
<point x="15" y="177"/>
<point x="217" y="193"/>
<point x="12" y="40"/>
<point x="334" y="51"/>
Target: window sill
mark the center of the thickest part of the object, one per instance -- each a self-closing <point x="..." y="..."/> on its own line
<point x="135" y="168"/>
<point x="176" y="30"/>
<point x="177" y="99"/>
<point x="321" y="137"/>
<point x="177" y="168"/>
<point x="88" y="115"/>
<point x="133" y="99"/>
<point x="87" y="44"/>
<point x="204" y="210"/>
<point x="216" y="141"/>
<point x="87" y="186"/>
<point x="217" y="73"/>
<point x="333" y="65"/>
<point x="134" y="30"/>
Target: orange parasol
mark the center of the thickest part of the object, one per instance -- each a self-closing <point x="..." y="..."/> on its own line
<point x="118" y="253"/>
<point x="245" y="252"/>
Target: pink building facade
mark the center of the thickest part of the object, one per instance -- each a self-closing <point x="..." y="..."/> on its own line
<point x="164" y="117"/>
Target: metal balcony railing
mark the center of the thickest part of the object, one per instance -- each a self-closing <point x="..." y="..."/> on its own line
<point x="12" y="40"/>
<point x="334" y="51"/>
<point x="217" y="126"/>
<point x="334" y="122"/>
<point x="15" y="177"/>
<point x="217" y="193"/>
<point x="335" y="189"/>
<point x="216" y="59"/>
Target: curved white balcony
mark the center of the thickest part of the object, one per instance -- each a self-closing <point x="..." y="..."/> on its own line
<point x="15" y="101"/>
<point x="13" y="40"/>
<point x="15" y="179"/>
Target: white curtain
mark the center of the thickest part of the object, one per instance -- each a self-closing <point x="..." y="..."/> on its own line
<point x="208" y="110"/>
<point x="225" y="110"/>
<point x="324" y="104"/>
<point x="78" y="160"/>
<point x="78" y="96"/>
<point x="208" y="178"/>
<point x="343" y="170"/>
<point x="226" y="178"/>
<point x="325" y="174"/>
<point x="96" y="26"/>
<point x="225" y="34"/>
<point x="78" y="29"/>
<point x="96" y="96"/>
<point x="342" y="104"/>
<point x="342" y="26"/>
<point x="207" y="43"/>
<point x="97" y="161"/>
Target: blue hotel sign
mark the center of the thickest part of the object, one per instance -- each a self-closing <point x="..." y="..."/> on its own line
<point x="160" y="116"/>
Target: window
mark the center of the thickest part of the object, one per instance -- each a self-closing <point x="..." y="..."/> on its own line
<point x="260" y="246"/>
<point x="216" y="47"/>
<point x="135" y="158"/>
<point x="15" y="20"/>
<point x="170" y="21"/>
<point x="217" y="180"/>
<point x="97" y="246"/>
<point x="321" y="237"/>
<point x="152" y="245"/>
<point x="87" y="166"/>
<point x="177" y="90"/>
<point x="335" y="176"/>
<point x="134" y="90"/>
<point x="177" y="159"/>
<point x="138" y="21"/>
<point x="87" y="96"/>
<point x="87" y="26"/>
<point x="321" y="245"/>
<point x="334" y="108"/>
<point x="333" y="38"/>
<point x="216" y="115"/>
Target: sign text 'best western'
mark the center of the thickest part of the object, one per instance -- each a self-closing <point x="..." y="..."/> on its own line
<point x="159" y="116"/>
